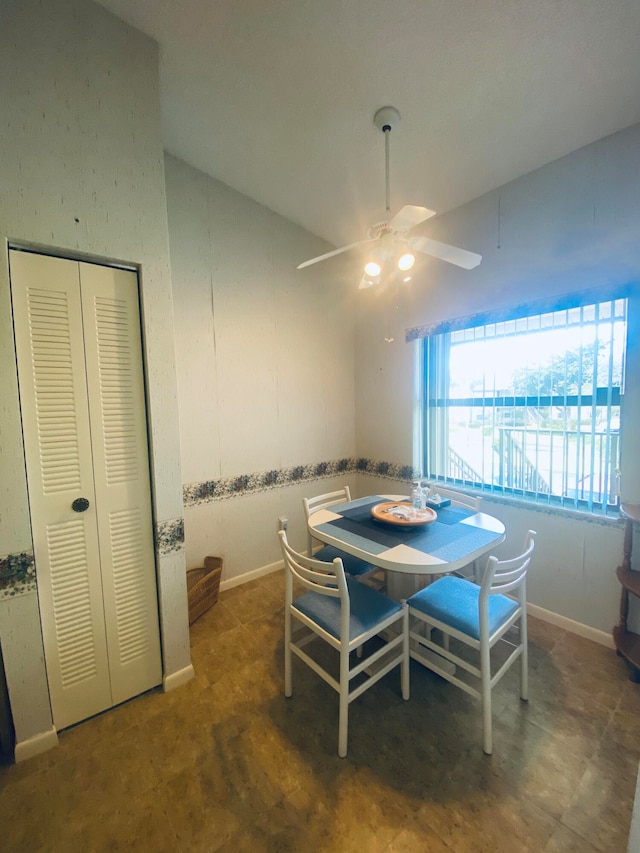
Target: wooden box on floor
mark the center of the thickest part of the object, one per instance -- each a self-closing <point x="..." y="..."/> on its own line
<point x="203" y="586"/>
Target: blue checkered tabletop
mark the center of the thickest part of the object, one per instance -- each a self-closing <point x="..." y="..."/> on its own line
<point x="455" y="539"/>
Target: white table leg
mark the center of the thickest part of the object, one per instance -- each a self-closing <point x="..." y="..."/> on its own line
<point x="402" y="586"/>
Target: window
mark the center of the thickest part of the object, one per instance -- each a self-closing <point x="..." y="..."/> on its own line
<point x="529" y="407"/>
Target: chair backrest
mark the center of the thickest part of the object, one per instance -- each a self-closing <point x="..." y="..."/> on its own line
<point x="315" y="575"/>
<point x="506" y="575"/>
<point x="325" y="501"/>
<point x="456" y="498"/>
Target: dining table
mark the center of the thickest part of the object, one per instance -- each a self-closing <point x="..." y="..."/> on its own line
<point x="408" y="552"/>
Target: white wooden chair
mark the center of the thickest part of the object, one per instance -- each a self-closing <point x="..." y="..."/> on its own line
<point x="345" y="614"/>
<point x="456" y="498"/>
<point x="467" y="502"/>
<point x="478" y="616"/>
<point x="353" y="566"/>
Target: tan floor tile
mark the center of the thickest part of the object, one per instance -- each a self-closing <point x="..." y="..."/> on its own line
<point x="11" y="773"/>
<point x="135" y="824"/>
<point x="274" y="582"/>
<point x="410" y="840"/>
<point x="630" y="698"/>
<point x="543" y="634"/>
<point x="89" y="785"/>
<point x="360" y="818"/>
<point x="624" y="728"/>
<point x="587" y="668"/>
<point x="617" y="762"/>
<point x="497" y="825"/>
<point x="200" y="810"/>
<point x="241" y="590"/>
<point x="565" y="841"/>
<point x="259" y="602"/>
<point x="580" y="725"/>
<point x="539" y="767"/>
<point x="598" y="815"/>
<point x="26" y="816"/>
<point x="216" y="620"/>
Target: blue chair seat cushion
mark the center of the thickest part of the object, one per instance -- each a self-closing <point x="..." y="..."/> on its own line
<point x="352" y="565"/>
<point x="454" y="601"/>
<point x="368" y="609"/>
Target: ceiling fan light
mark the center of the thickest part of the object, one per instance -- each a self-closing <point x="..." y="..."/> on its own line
<point x="407" y="278"/>
<point x="406" y="261"/>
<point x="372" y="269"/>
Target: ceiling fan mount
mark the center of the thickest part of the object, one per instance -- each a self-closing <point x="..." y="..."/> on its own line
<point x="389" y="233"/>
<point x="379" y="229"/>
<point x="386" y="119"/>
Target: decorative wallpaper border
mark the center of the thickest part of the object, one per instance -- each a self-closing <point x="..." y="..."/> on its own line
<point x="169" y="536"/>
<point x="17" y="574"/>
<point x="233" y="487"/>
<point x="194" y="494"/>
<point x="18" y="571"/>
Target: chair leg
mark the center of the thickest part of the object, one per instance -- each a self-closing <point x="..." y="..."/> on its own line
<point x="309" y="545"/>
<point x="485" y="670"/>
<point x="404" y="667"/>
<point x="343" y="715"/>
<point x="288" y="687"/>
<point x="524" y="659"/>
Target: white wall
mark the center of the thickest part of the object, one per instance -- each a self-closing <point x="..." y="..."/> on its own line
<point x="265" y="362"/>
<point x="82" y="173"/>
<point x="571" y="225"/>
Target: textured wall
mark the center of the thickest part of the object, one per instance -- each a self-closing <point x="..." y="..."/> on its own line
<point x="82" y="172"/>
<point x="264" y="359"/>
<point x="570" y="225"/>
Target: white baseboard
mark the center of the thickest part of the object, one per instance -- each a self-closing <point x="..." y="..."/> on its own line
<point x="570" y="625"/>
<point x="177" y="679"/>
<point x="35" y="745"/>
<point x="252" y="575"/>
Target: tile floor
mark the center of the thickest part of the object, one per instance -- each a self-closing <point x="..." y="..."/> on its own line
<point x="227" y="763"/>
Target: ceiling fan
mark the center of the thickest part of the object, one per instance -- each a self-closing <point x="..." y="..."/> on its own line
<point x="391" y="245"/>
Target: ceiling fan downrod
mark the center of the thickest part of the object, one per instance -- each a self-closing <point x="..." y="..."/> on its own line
<point x="385" y="120"/>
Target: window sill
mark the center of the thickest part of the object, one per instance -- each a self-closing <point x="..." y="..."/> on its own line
<point x="613" y="520"/>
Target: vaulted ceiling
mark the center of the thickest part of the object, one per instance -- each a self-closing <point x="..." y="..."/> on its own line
<point x="276" y="97"/>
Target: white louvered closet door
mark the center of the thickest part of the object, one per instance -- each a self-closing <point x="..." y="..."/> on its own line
<point x="82" y="407"/>
<point x="121" y="473"/>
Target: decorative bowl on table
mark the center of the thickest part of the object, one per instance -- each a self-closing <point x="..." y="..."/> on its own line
<point x="402" y="513"/>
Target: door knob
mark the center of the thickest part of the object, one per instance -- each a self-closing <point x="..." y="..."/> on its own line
<point x="80" y="505"/>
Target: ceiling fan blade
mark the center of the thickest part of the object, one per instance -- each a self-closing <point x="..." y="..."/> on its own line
<point x="332" y="254"/>
<point x="452" y="254"/>
<point x="410" y="215"/>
